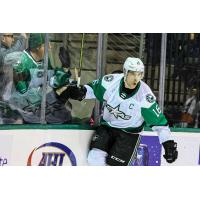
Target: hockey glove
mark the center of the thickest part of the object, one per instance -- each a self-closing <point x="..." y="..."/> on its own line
<point x="64" y="57"/>
<point x="60" y="79"/>
<point x="171" y="153"/>
<point x="73" y="92"/>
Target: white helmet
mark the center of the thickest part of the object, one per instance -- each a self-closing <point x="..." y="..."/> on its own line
<point x="133" y="64"/>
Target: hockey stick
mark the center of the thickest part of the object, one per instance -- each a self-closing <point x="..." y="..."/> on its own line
<point x="80" y="61"/>
<point x="76" y="72"/>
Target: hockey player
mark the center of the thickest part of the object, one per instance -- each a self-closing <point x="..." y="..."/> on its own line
<point x="129" y="105"/>
<point x="28" y="80"/>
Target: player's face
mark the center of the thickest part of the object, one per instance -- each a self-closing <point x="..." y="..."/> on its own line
<point x="8" y="39"/>
<point x="133" y="79"/>
<point x="41" y="51"/>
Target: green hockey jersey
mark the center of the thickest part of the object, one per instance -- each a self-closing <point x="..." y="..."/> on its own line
<point x="26" y="95"/>
<point x="129" y="112"/>
<point x="28" y="73"/>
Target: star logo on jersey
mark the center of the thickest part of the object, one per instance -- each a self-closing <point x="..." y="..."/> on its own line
<point x="117" y="113"/>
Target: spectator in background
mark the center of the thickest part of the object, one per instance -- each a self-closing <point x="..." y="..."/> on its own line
<point x="190" y="115"/>
<point x="28" y="80"/>
<point x="9" y="45"/>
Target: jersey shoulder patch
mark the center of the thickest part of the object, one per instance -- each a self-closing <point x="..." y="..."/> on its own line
<point x="108" y="78"/>
<point x="150" y="98"/>
<point x="111" y="79"/>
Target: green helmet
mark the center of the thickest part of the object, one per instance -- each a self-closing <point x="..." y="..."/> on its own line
<point x="35" y="40"/>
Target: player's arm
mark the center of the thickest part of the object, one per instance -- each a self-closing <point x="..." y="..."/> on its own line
<point x="156" y="119"/>
<point x="92" y="90"/>
<point x="21" y="75"/>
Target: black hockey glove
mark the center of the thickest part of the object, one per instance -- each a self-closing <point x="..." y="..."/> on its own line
<point x="171" y="153"/>
<point x="64" y="57"/>
<point x="73" y="92"/>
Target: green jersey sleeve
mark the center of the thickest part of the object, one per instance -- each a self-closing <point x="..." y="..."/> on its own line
<point x="153" y="115"/>
<point x="98" y="88"/>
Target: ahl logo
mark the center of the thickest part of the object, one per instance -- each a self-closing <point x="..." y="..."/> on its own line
<point x="49" y="158"/>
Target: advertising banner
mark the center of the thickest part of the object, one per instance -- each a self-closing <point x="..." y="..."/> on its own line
<point x="69" y="147"/>
<point x="47" y="147"/>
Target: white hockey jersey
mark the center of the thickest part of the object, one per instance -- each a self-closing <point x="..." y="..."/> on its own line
<point x="129" y="112"/>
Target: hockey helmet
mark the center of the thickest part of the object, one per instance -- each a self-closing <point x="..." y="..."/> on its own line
<point x="35" y="40"/>
<point x="133" y="64"/>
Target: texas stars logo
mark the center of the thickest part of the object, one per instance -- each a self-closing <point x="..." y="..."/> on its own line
<point x="108" y="78"/>
<point x="150" y="98"/>
<point x="117" y="113"/>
